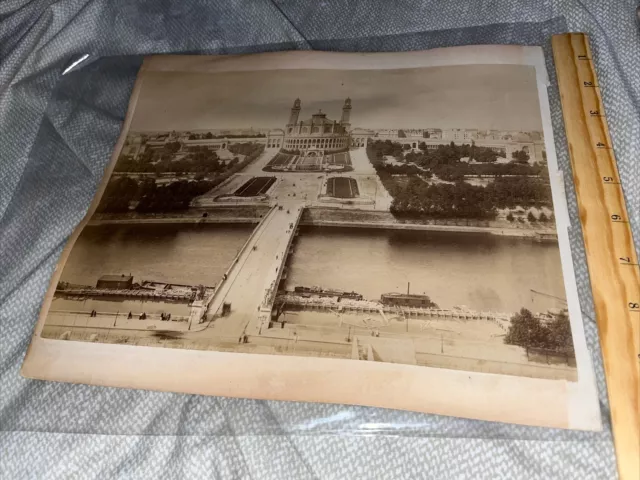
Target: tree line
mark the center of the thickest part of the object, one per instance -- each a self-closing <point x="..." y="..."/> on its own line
<point x="200" y="160"/>
<point x="461" y="200"/>
<point x="209" y="135"/>
<point x="123" y="192"/>
<point x="528" y="331"/>
<point x="452" y="154"/>
<point x="247" y="148"/>
<point x="150" y="197"/>
<point x="296" y="151"/>
<point x="418" y="198"/>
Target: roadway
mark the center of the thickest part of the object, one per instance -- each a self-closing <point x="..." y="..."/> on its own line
<point x="257" y="268"/>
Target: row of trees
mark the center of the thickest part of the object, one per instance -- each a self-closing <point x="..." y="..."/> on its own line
<point x="209" y="135"/>
<point x="150" y="197"/>
<point x="542" y="218"/>
<point x="518" y="191"/>
<point x="451" y="153"/>
<point x="458" y="171"/>
<point x="199" y="160"/>
<point x="417" y="198"/>
<point x="296" y="151"/>
<point x="247" y="148"/>
<point x="384" y="148"/>
<point x="122" y="192"/>
<point x="528" y="331"/>
<point x="174" y="196"/>
<point x="520" y="156"/>
<point x="444" y="200"/>
<point x="461" y="200"/>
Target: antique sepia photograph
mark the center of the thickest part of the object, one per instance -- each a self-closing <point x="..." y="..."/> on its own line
<point x="400" y="216"/>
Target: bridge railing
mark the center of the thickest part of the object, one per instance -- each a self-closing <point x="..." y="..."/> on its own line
<point x="226" y="274"/>
<point x="270" y="294"/>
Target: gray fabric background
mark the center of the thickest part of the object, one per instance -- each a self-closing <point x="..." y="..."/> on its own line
<point x="56" y="135"/>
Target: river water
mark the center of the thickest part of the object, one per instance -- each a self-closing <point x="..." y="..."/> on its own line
<point x="175" y="253"/>
<point x="483" y="272"/>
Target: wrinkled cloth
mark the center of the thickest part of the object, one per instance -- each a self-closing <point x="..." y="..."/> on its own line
<point x="56" y="135"/>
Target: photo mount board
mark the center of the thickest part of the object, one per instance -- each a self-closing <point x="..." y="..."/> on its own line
<point x="484" y="396"/>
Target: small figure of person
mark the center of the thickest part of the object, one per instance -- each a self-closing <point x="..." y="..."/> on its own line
<point x="130" y="316"/>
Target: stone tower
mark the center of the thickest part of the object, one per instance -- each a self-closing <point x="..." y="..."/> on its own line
<point x="295" y="112"/>
<point x="346" y="115"/>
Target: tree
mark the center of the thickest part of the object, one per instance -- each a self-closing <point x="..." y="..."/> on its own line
<point x="401" y="134"/>
<point x="520" y="156"/>
<point x="560" y="333"/>
<point x="531" y="217"/>
<point x="119" y="192"/>
<point x="543" y="218"/>
<point x="172" y="147"/>
<point x="514" y="184"/>
<point x="510" y="217"/>
<point x="208" y="135"/>
<point x="526" y="331"/>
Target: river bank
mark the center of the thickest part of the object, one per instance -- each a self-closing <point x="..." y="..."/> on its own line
<point x="351" y="218"/>
<point x="244" y="214"/>
<point x="330" y="217"/>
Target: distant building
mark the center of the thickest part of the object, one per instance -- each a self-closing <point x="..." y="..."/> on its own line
<point x="406" y="300"/>
<point x="115" y="282"/>
<point x="414" y="133"/>
<point x="317" y="133"/>
<point x="459" y="135"/>
<point x="489" y="135"/>
<point x="359" y="137"/>
<point x="132" y="145"/>
<point x="387" y="132"/>
<point x="432" y="133"/>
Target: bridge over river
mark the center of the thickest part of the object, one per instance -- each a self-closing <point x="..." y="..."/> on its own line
<point x="251" y="282"/>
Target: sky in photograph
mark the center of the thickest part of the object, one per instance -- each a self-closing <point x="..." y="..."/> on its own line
<point x="502" y="97"/>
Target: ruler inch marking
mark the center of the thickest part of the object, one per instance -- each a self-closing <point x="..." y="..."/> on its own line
<point x="616" y="288"/>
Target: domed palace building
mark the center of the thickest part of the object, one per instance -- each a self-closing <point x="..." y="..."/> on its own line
<point x="317" y="134"/>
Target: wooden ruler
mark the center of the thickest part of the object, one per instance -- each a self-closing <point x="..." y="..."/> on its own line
<point x="611" y="257"/>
